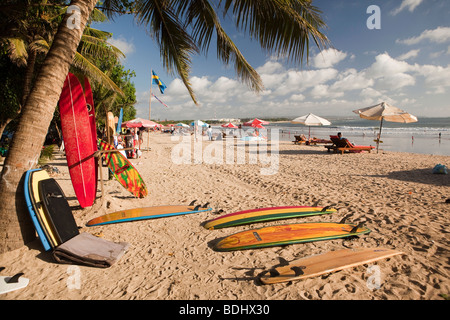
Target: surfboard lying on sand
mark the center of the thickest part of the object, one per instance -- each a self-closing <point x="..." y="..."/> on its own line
<point x="124" y="171"/>
<point x="288" y="234"/>
<point x="265" y="214"/>
<point x="16" y="282"/>
<point x="146" y="213"/>
<point x="325" y="263"/>
<point x="77" y="134"/>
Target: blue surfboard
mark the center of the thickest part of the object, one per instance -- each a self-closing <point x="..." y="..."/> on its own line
<point x="33" y="215"/>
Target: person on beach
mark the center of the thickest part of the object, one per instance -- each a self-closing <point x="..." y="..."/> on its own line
<point x="209" y="131"/>
<point x="339" y="134"/>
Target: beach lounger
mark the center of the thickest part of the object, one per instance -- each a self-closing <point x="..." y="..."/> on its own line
<point x="299" y="140"/>
<point x="316" y="141"/>
<point x="344" y="145"/>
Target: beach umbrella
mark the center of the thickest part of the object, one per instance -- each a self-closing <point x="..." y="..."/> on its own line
<point x="184" y="125"/>
<point x="255" y="122"/>
<point x="384" y="111"/>
<point x="229" y="125"/>
<point x="199" y="123"/>
<point x="311" y="120"/>
<point x="138" y="123"/>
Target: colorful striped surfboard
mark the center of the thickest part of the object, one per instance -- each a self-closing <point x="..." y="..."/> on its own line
<point x="124" y="171"/>
<point x="146" y="213"/>
<point x="288" y="234"/>
<point x="265" y="214"/>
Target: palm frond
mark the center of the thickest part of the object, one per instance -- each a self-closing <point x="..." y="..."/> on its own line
<point x="95" y="47"/>
<point x="17" y="51"/>
<point x="176" y="45"/>
<point x="90" y="70"/>
<point x="283" y="27"/>
<point x="202" y="17"/>
<point x="39" y="46"/>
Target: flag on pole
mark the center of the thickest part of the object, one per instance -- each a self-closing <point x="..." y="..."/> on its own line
<point x="158" y="82"/>
<point x="165" y="105"/>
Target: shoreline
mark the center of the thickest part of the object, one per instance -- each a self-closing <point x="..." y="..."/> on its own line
<point x="394" y="193"/>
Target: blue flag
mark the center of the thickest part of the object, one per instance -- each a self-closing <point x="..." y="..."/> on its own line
<point x="158" y="82"/>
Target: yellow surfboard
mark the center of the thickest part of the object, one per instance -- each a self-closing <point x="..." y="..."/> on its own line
<point x="37" y="176"/>
<point x="288" y="234"/>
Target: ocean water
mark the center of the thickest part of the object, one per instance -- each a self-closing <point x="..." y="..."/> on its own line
<point x="427" y="136"/>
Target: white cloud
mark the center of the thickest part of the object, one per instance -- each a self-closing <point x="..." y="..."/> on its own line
<point x="438" y="35"/>
<point x="351" y="79"/>
<point x="409" y="55"/>
<point x="407" y="4"/>
<point x="385" y="65"/>
<point x="123" y="45"/>
<point x="328" y="58"/>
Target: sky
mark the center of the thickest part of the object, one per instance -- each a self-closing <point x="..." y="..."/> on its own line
<point x="398" y="52"/>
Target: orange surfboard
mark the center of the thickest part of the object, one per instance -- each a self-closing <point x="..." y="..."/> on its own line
<point x="325" y="263"/>
<point x="288" y="234"/>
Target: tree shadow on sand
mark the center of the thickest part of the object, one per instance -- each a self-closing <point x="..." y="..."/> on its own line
<point x="424" y="176"/>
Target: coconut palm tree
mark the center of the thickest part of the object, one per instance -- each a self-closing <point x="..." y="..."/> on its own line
<point x="181" y="28"/>
<point x="31" y="39"/>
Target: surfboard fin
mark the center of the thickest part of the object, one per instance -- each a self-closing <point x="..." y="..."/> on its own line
<point x="197" y="207"/>
<point x="192" y="203"/>
<point x="298" y="270"/>
<point x="205" y="205"/>
<point x="274" y="273"/>
<point x="14" y="278"/>
<point x="359" y="225"/>
<point x="325" y="208"/>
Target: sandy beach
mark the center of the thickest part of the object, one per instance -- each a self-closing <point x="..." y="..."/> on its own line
<point x="395" y="194"/>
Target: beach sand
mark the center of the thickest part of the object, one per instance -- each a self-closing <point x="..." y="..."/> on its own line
<point x="395" y="194"/>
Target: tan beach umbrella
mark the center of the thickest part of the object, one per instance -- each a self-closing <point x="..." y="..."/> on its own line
<point x="384" y="111"/>
<point x="311" y="120"/>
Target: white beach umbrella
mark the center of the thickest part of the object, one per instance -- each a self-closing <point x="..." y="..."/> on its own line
<point x="384" y="111"/>
<point x="311" y="120"/>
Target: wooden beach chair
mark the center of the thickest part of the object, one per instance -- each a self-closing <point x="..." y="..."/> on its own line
<point x="344" y="145"/>
<point x="316" y="141"/>
<point x="299" y="140"/>
<point x="350" y="147"/>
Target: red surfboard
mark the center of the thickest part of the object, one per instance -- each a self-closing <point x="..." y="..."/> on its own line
<point x="91" y="111"/>
<point x="77" y="135"/>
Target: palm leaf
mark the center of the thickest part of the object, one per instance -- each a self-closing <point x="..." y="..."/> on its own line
<point x="176" y="45"/>
<point x="91" y="71"/>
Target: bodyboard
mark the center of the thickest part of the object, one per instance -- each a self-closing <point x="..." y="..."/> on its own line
<point x="325" y="263"/>
<point x="145" y="213"/>
<point x="57" y="210"/>
<point x="28" y="195"/>
<point x="78" y="142"/>
<point x="265" y="214"/>
<point x="38" y="207"/>
<point x="288" y="234"/>
<point x="124" y="171"/>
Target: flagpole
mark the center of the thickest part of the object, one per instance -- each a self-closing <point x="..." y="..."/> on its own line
<point x="149" y="109"/>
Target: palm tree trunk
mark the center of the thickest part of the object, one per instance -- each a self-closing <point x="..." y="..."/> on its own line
<point x="28" y="79"/>
<point x="15" y="224"/>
